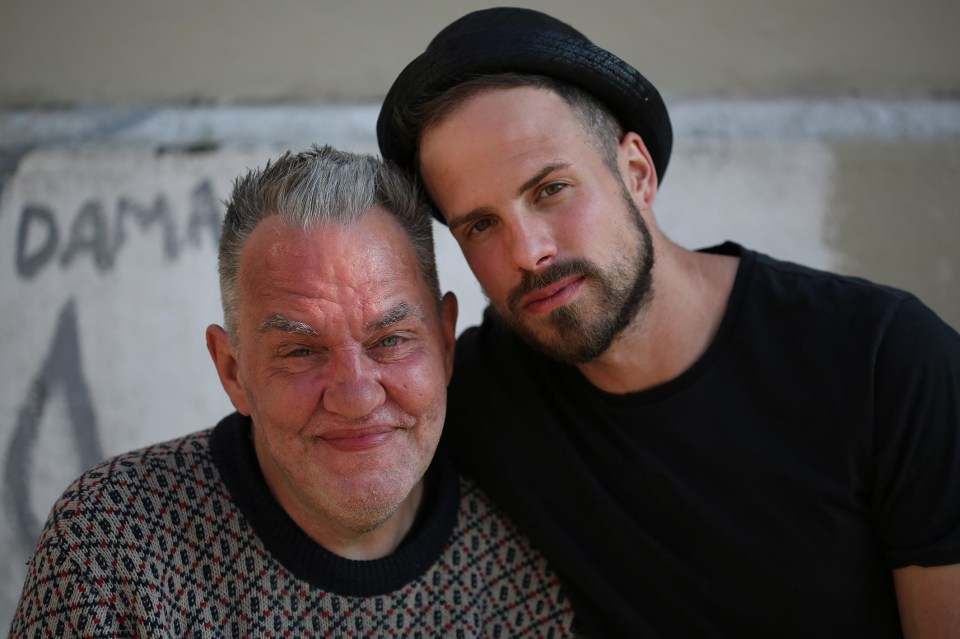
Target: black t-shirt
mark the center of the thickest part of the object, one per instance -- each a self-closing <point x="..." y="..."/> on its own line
<point x="767" y="491"/>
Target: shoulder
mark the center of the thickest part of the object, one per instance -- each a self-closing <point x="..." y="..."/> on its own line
<point x="832" y="289"/>
<point x="148" y="466"/>
<point x="910" y="355"/>
<point x="821" y="301"/>
<point x="853" y="332"/>
<point x="489" y="530"/>
<point x="126" y="504"/>
<point x="135" y="488"/>
<point x="522" y="589"/>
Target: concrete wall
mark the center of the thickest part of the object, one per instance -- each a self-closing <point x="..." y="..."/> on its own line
<point x="108" y="51"/>
<point x="828" y="135"/>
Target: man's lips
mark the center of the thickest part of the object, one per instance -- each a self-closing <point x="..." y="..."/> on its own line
<point x="543" y="300"/>
<point x="358" y="439"/>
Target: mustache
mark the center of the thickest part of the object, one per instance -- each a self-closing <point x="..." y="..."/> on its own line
<point x="531" y="282"/>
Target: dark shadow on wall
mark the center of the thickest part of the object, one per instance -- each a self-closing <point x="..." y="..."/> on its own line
<point x="62" y="371"/>
<point x="9" y="161"/>
<point x="89" y="125"/>
<point x="879" y="229"/>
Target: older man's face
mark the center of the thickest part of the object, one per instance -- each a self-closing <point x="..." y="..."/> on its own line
<point x="342" y="363"/>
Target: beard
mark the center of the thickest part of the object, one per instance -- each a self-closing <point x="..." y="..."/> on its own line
<point x="581" y="331"/>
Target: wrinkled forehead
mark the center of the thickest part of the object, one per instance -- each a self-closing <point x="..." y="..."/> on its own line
<point x="359" y="268"/>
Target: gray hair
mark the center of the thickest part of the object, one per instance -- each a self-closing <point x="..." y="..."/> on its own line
<point x="601" y="125"/>
<point x="320" y="186"/>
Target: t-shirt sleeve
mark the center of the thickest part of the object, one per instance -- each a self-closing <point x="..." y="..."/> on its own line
<point x="916" y="500"/>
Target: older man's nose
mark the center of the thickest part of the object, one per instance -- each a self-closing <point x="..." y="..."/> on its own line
<point x="353" y="390"/>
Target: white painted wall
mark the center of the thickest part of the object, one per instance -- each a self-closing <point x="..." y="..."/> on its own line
<point x="103" y="314"/>
<point x="823" y="132"/>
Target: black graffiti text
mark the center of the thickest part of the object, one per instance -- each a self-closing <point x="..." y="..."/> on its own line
<point x="93" y="235"/>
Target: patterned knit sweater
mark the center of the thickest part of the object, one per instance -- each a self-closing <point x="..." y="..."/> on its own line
<point x="183" y="539"/>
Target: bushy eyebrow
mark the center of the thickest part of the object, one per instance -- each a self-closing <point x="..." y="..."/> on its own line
<point x="544" y="172"/>
<point x="395" y="315"/>
<point x="279" y="322"/>
<point x="459" y="220"/>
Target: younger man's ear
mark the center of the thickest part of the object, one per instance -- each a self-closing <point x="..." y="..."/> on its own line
<point x="639" y="173"/>
<point x="225" y="360"/>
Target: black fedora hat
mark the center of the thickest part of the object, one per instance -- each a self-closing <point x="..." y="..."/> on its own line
<point x="506" y="39"/>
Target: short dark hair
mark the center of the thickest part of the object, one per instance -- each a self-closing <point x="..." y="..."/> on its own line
<point x="601" y="126"/>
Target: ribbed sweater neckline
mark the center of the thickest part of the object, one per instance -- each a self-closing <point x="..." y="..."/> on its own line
<point x="234" y="456"/>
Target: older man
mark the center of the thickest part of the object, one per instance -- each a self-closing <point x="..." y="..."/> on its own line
<point x="319" y="508"/>
<point x="705" y="443"/>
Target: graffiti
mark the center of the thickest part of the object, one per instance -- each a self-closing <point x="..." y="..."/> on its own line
<point x="93" y="236"/>
<point x="94" y="231"/>
<point x="61" y="371"/>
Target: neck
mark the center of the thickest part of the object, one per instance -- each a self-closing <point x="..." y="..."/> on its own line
<point x="690" y="293"/>
<point x="351" y="532"/>
<point x="360" y="544"/>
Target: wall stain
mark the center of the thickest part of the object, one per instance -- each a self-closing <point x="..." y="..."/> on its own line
<point x="905" y="235"/>
<point x="100" y="124"/>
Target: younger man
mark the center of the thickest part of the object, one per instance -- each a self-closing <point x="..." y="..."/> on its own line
<point x="704" y="443"/>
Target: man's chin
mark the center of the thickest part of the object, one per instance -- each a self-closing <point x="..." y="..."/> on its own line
<point x="564" y="341"/>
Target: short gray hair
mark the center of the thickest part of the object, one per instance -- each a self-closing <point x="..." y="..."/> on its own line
<point x="320" y="186"/>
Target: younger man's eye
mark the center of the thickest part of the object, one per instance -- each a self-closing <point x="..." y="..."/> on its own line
<point x="480" y="226"/>
<point x="552" y="189"/>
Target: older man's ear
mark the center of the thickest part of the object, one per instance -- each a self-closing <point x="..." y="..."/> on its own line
<point x="450" y="310"/>
<point x="225" y="360"/>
